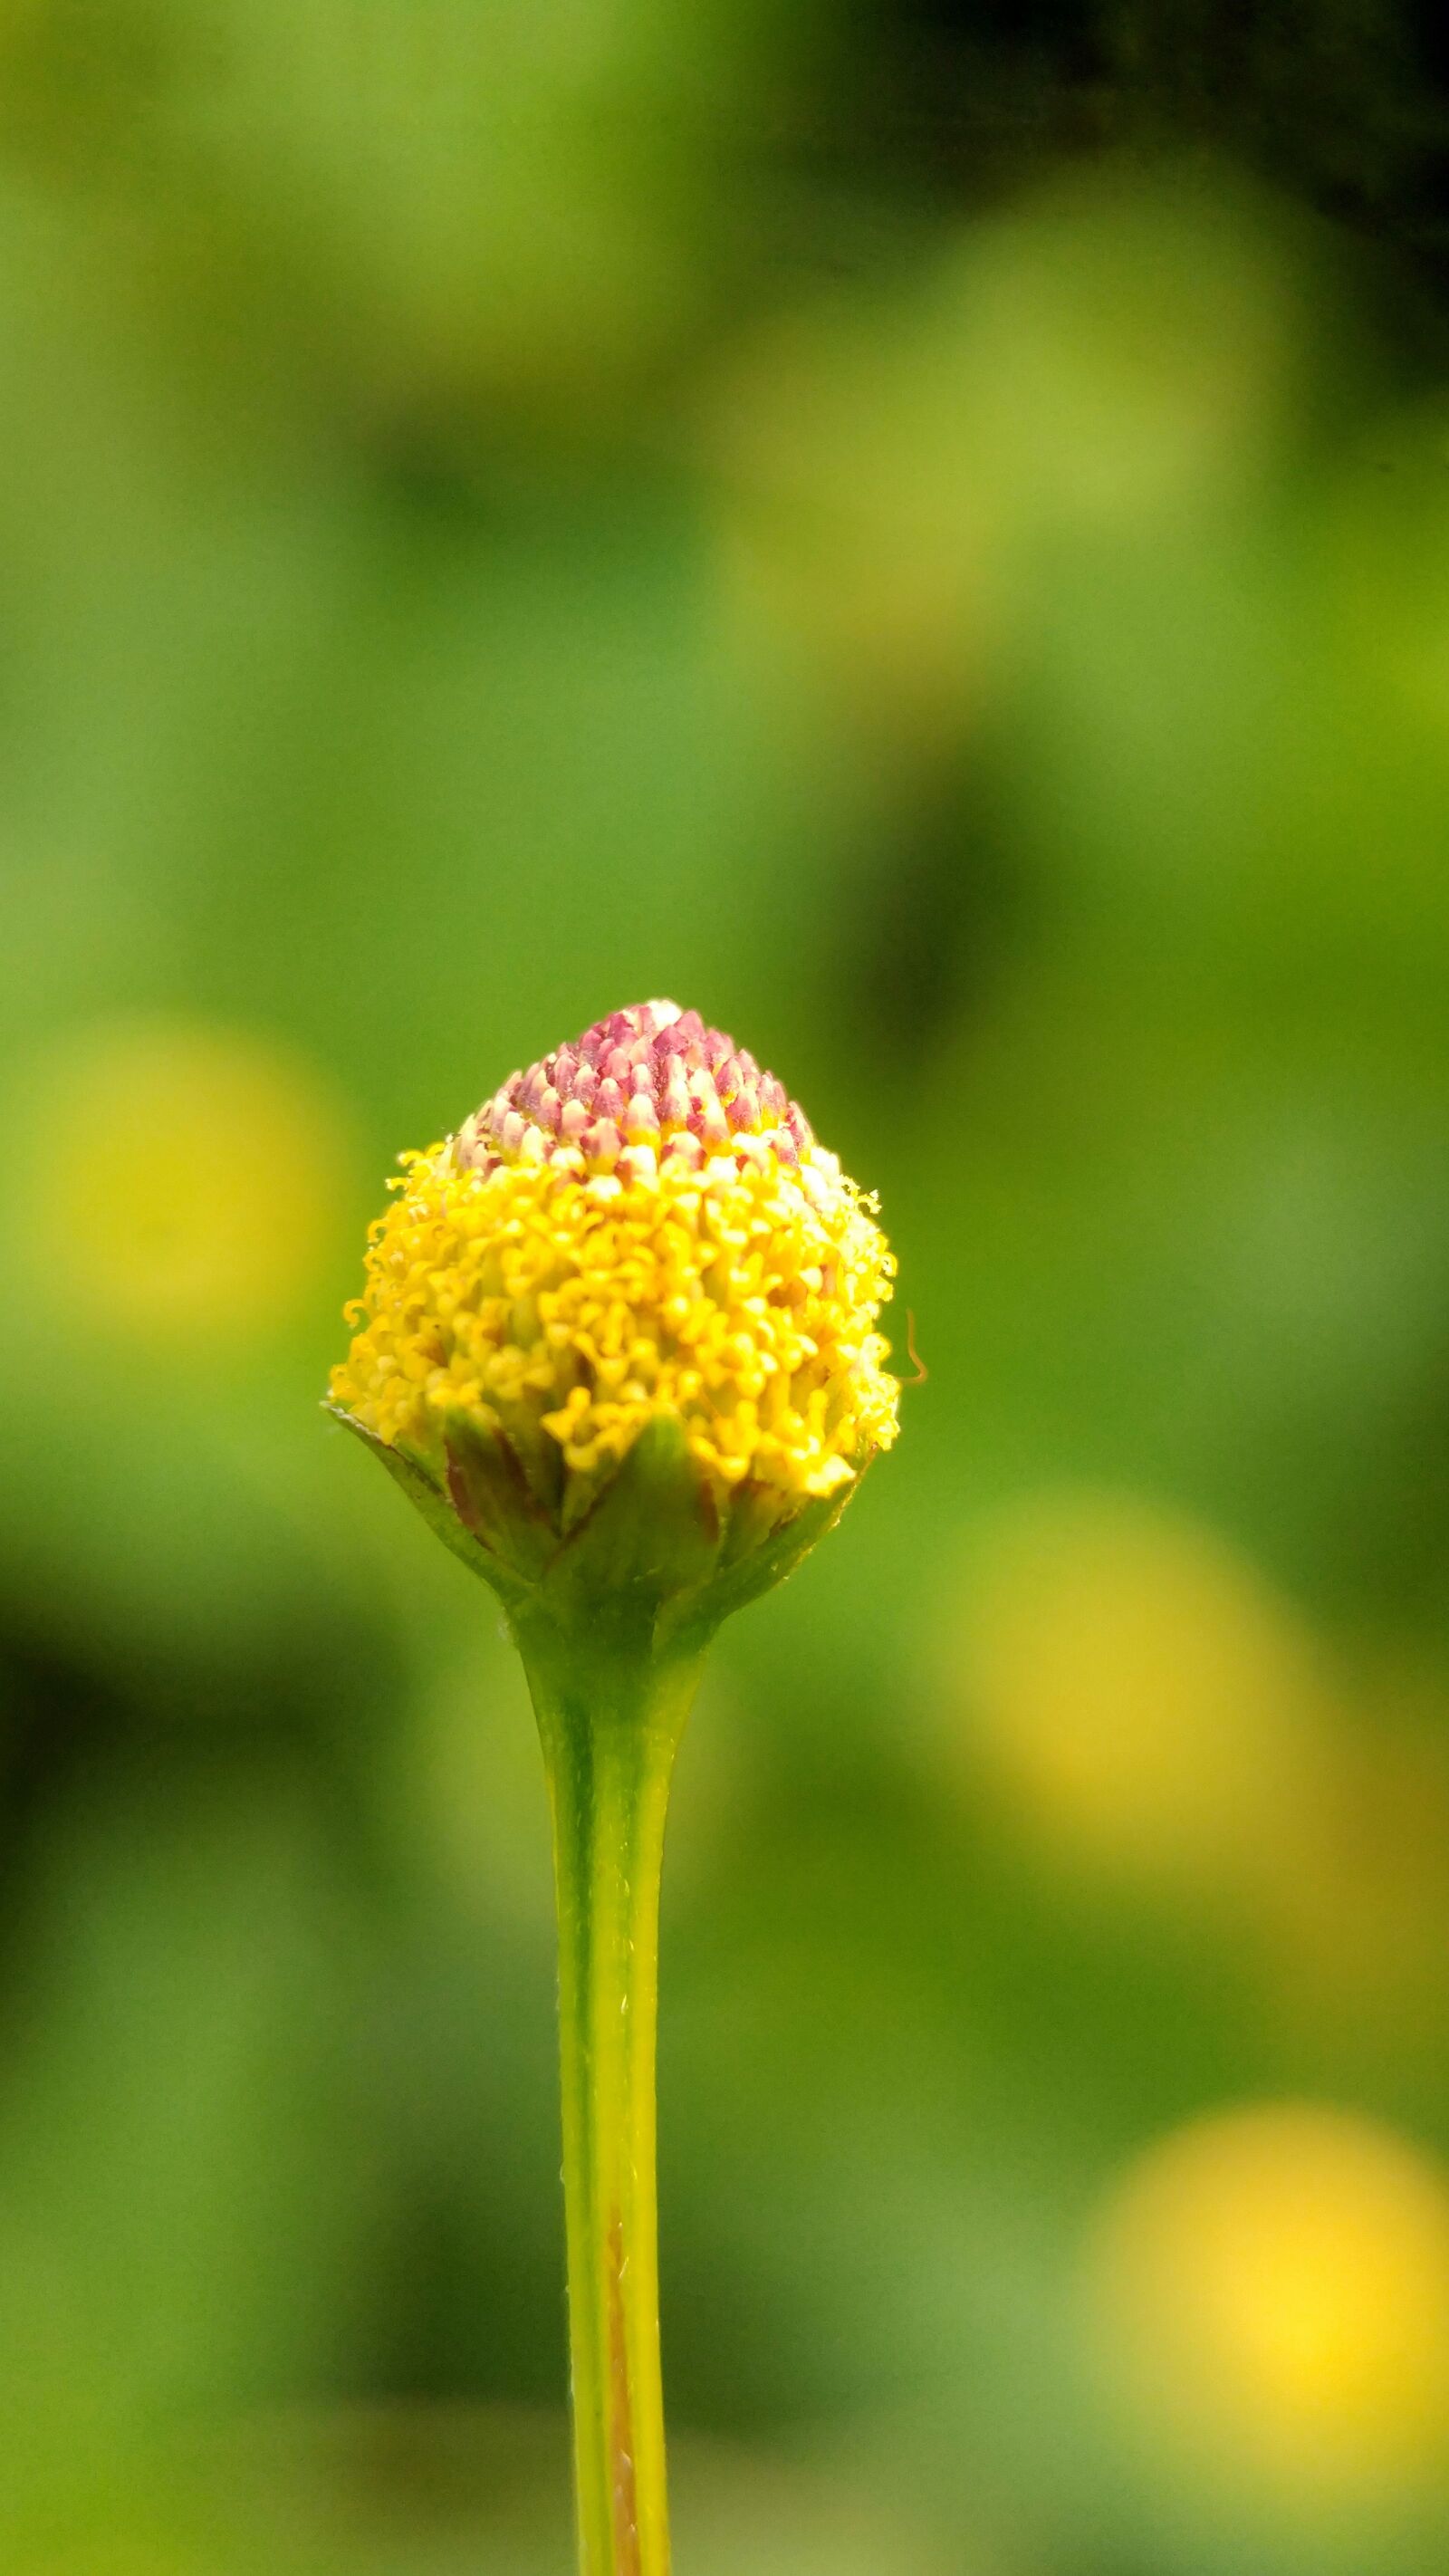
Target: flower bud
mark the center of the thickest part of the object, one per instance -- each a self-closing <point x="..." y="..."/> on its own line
<point x="618" y="1336"/>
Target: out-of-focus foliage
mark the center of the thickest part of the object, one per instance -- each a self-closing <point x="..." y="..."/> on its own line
<point x="925" y="534"/>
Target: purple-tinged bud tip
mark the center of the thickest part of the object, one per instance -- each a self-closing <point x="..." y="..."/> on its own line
<point x="651" y="1081"/>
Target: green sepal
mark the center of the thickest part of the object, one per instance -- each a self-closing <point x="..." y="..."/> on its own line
<point x="650" y="1559"/>
<point x="493" y="1499"/>
<point x="438" y="1510"/>
<point x="693" y="1618"/>
<point x="652" y="1534"/>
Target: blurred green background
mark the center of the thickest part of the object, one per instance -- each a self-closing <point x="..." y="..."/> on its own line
<point x="922" y="532"/>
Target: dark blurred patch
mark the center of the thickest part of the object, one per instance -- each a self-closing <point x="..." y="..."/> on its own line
<point x="297" y="1713"/>
<point x="1322" y="95"/>
<point x="1427" y="22"/>
<point x="1067" y="37"/>
<point x="1394" y="1548"/>
<point x="60" y="1719"/>
<point x="428" y="463"/>
<point x="464" y="2297"/>
<point x="943" y="909"/>
<point x="1346" y="106"/>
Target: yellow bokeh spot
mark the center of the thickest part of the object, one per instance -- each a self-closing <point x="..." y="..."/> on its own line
<point x="1140" y="1698"/>
<point x="179" y="1179"/>
<point x="1271" y="2287"/>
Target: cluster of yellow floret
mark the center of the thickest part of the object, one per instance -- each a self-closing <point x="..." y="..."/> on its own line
<point x="537" y="1297"/>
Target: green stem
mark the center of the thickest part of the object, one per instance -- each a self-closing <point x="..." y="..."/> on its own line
<point x="610" y="1714"/>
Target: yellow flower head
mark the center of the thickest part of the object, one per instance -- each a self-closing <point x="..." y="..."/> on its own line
<point x="639" y="1230"/>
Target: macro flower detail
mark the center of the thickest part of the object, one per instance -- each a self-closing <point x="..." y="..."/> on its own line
<point x="619" y="1345"/>
<point x="640" y="1229"/>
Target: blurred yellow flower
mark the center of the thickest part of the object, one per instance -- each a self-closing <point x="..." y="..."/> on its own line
<point x="179" y="1178"/>
<point x="1271" y="2287"/>
<point x="1136" y="1692"/>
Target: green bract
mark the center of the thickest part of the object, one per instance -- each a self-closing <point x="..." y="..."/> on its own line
<point x="653" y="1550"/>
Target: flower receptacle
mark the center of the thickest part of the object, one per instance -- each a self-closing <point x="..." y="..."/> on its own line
<point x="654" y="1558"/>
